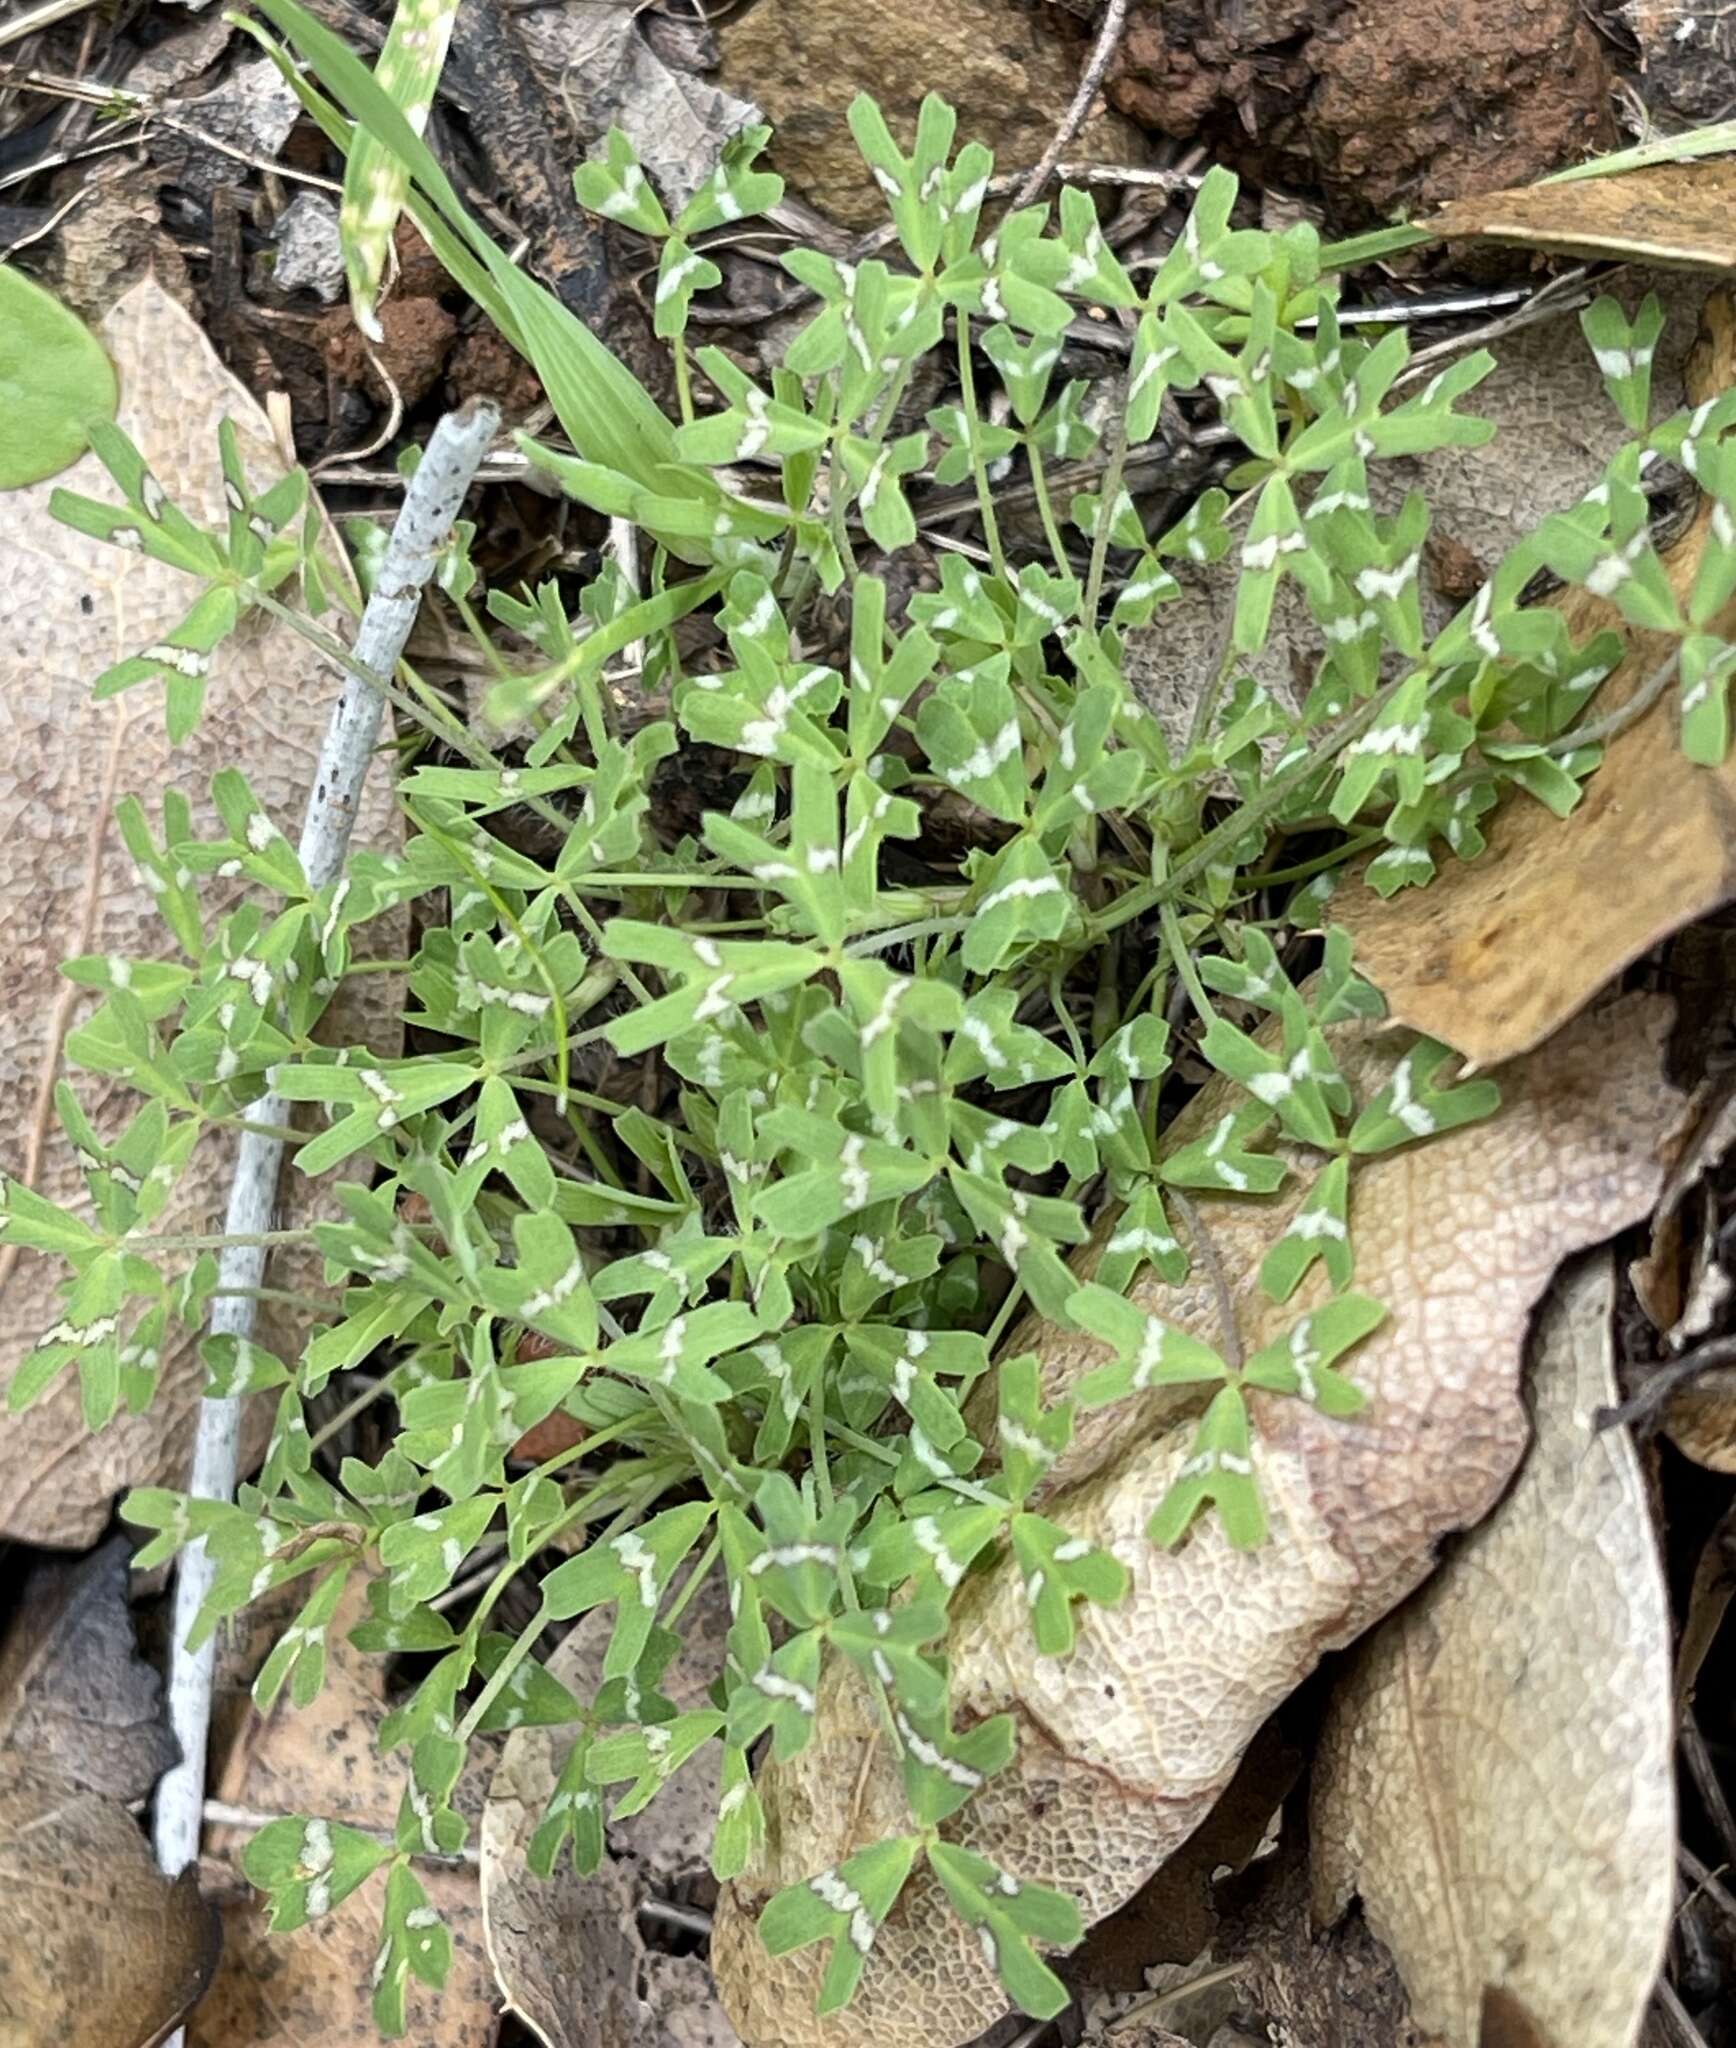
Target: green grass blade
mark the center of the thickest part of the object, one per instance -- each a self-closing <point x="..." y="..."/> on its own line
<point x="449" y="247"/>
<point x="607" y="413"/>
<point x="376" y="182"/>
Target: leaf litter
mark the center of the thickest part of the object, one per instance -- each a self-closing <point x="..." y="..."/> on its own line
<point x="609" y="74"/>
<point x="75" y="1694"/>
<point x="98" y="1949"/>
<point x="572" y="1965"/>
<point x="68" y="608"/>
<point x="312" y="1988"/>
<point x="570" y="1953"/>
<point x="1494" y="1778"/>
<point x="1126" y="1744"/>
<point x="1498" y="952"/>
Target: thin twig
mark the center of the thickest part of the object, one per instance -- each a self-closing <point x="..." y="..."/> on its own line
<point x="1705" y="1776"/>
<point x="1114" y="21"/>
<point x="437" y="490"/>
<point x="1663" y="1380"/>
<point x="1708" y="1882"/>
<point x="44" y="16"/>
<point x="688" y="1918"/>
<point x="1673" y="2017"/>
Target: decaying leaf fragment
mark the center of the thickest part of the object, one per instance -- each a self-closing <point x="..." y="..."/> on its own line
<point x="68" y="608"/>
<point x="1494" y="1777"/>
<point x="98" y="1949"/>
<point x="596" y="56"/>
<point x="323" y="1760"/>
<point x="1126" y="1743"/>
<point x="75" y="1695"/>
<point x="567" y="1950"/>
<point x="1681" y="213"/>
<point x="1497" y="952"/>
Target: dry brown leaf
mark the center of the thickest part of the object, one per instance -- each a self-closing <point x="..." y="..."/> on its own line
<point x="75" y="1695"/>
<point x="1682" y="213"/>
<point x="1701" y="1419"/>
<point x="312" y="1988"/>
<point x="98" y="1949"/>
<point x="1670" y="1276"/>
<point x="1127" y="1742"/>
<point x="1556" y="433"/>
<point x="69" y="607"/>
<point x="1494" y="1776"/>
<point x="596" y="54"/>
<point x="567" y="1950"/>
<point x="1496" y="953"/>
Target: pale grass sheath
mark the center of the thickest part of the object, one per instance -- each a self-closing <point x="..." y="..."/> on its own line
<point x="431" y="503"/>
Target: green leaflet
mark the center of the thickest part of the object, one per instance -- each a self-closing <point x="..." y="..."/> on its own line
<point x="54" y="381"/>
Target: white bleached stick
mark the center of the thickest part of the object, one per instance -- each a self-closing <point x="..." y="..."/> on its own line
<point x="431" y="503"/>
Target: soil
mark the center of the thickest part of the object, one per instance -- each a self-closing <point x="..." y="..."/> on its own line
<point x="1389" y="106"/>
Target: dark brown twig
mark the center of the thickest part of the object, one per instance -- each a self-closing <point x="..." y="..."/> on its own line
<point x="1705" y="1775"/>
<point x="1661" y="1383"/>
<point x="1674" y="2022"/>
<point x="1114" y="21"/>
<point x="1708" y="1882"/>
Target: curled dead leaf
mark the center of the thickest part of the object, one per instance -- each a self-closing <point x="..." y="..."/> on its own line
<point x="1494" y="1777"/>
<point x="75" y="1695"/>
<point x="1126" y="1743"/>
<point x="1498" y="952"/>
<point x="1701" y="1419"/>
<point x="98" y="1949"/>
<point x="68" y="608"/>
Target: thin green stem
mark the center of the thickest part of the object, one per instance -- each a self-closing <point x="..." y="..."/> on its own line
<point x="1269" y="878"/>
<point x="1106" y="504"/>
<point x="695" y="1579"/>
<point x="215" y="1241"/>
<point x="1222" y="839"/>
<point x="1179" y="952"/>
<point x="1046" y="511"/>
<point x="683" y="380"/>
<point x="347" y="1414"/>
<point x="524" y="1641"/>
<point x="882" y="1453"/>
<point x="978" y="468"/>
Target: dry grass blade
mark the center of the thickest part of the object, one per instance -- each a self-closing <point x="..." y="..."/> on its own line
<point x="1682" y="213"/>
<point x="376" y="184"/>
